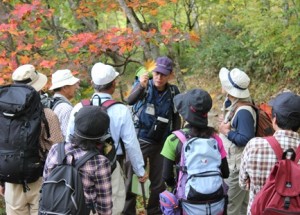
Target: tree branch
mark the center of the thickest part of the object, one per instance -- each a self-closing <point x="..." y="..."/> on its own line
<point x="135" y="26"/>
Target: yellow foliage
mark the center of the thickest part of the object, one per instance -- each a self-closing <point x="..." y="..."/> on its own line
<point x="184" y="70"/>
<point x="149" y="65"/>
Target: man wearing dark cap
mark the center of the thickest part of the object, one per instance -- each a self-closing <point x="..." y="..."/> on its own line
<point x="153" y="100"/>
<point x="258" y="157"/>
<point x="91" y="124"/>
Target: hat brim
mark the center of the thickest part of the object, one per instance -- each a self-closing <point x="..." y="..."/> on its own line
<point x="79" y="134"/>
<point x="70" y="81"/>
<point x="229" y="88"/>
<point x="113" y="78"/>
<point x="184" y="110"/>
<point x="274" y="100"/>
<point x="162" y="70"/>
<point x="271" y="102"/>
<point x="40" y="82"/>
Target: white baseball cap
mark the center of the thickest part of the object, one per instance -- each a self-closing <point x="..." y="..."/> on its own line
<point x="103" y="74"/>
<point x="26" y="74"/>
<point x="62" y="78"/>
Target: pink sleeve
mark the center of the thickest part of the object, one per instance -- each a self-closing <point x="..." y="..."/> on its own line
<point x="220" y="145"/>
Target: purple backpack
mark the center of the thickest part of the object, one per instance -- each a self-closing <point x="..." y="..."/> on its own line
<point x="169" y="204"/>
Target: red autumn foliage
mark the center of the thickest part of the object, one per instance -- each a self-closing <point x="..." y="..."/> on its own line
<point x="31" y="33"/>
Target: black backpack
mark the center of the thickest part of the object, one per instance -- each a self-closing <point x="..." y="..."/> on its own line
<point x="62" y="192"/>
<point x="51" y="102"/>
<point x="21" y="114"/>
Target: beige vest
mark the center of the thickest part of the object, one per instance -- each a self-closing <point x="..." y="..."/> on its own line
<point x="234" y="152"/>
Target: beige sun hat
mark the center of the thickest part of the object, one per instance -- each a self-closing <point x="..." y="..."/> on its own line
<point x="62" y="78"/>
<point x="26" y="74"/>
<point x="103" y="74"/>
<point x="235" y="82"/>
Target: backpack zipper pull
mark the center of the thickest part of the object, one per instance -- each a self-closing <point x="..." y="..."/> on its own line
<point x="287" y="202"/>
<point x="25" y="186"/>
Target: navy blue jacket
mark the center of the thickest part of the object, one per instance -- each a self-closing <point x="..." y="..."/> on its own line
<point x="163" y="106"/>
<point x="243" y="123"/>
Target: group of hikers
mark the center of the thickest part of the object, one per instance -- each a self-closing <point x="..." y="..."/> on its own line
<point x="164" y="136"/>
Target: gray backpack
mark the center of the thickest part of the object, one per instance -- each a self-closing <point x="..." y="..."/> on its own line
<point x="62" y="193"/>
<point x="51" y="102"/>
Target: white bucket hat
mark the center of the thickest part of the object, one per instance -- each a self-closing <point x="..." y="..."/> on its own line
<point x="26" y="74"/>
<point x="235" y="82"/>
<point x="103" y="74"/>
<point x="62" y="78"/>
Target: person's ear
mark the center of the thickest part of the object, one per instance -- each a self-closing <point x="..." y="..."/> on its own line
<point x="172" y="76"/>
<point x="274" y="122"/>
<point x="63" y="89"/>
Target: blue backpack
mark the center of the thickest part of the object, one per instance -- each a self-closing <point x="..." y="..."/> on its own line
<point x="200" y="183"/>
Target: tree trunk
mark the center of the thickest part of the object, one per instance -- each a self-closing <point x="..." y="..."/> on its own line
<point x="135" y="27"/>
<point x="195" y="16"/>
<point x="177" y="70"/>
<point x="285" y="6"/>
<point x="192" y="15"/>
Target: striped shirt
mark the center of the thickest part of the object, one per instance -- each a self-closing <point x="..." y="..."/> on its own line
<point x="258" y="159"/>
<point x="95" y="175"/>
<point x="63" y="111"/>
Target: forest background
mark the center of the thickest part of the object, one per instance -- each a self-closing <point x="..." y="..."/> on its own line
<point x="261" y="37"/>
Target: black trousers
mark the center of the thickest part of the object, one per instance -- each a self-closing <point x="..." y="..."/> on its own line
<point x="151" y="153"/>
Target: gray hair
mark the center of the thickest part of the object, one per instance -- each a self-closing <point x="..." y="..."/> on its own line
<point x="100" y="88"/>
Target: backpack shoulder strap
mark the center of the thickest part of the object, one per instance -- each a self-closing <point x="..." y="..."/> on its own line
<point x="240" y="104"/>
<point x="110" y="102"/>
<point x="56" y="101"/>
<point x="61" y="152"/>
<point x="297" y="158"/>
<point x="172" y="89"/>
<point x="107" y="104"/>
<point x="181" y="135"/>
<point x="218" y="139"/>
<point x="85" y="102"/>
<point x="88" y="155"/>
<point x="275" y="146"/>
